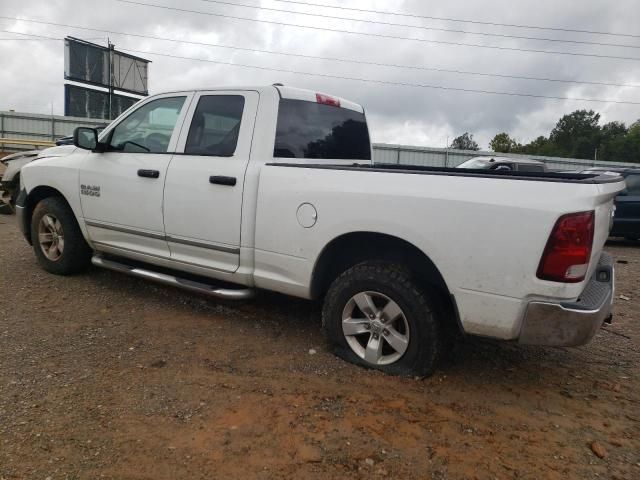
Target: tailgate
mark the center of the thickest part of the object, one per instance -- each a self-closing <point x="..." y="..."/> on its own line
<point x="604" y="208"/>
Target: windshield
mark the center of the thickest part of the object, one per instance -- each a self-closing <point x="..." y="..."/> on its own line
<point x="475" y="163"/>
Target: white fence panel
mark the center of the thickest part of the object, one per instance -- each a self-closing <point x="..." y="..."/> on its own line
<point x="442" y="157"/>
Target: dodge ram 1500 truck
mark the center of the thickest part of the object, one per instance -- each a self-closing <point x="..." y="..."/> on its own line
<point x="228" y="190"/>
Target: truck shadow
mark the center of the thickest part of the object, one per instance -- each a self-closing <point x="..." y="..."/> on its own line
<point x="298" y="323"/>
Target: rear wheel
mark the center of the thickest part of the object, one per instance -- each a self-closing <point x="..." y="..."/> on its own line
<point x="57" y="240"/>
<point x="376" y="316"/>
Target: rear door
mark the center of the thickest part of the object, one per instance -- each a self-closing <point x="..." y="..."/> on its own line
<point x="121" y="189"/>
<point x="627" y="219"/>
<point x="205" y="180"/>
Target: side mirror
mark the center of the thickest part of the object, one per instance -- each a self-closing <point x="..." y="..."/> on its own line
<point x="85" y="138"/>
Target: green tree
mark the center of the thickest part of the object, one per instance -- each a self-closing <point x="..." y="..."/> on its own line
<point x="633" y="143"/>
<point x="503" y="143"/>
<point x="577" y="134"/>
<point x="614" y="144"/>
<point x="465" y="142"/>
<point x="540" y="146"/>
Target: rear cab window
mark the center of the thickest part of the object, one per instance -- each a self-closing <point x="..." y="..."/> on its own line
<point x="320" y="130"/>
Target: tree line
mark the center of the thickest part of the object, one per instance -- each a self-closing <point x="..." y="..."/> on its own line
<point x="576" y="135"/>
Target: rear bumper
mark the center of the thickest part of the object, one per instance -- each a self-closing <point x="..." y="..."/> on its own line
<point x="572" y="323"/>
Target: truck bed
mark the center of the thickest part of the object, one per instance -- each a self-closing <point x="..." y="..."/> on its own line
<point x="484" y="231"/>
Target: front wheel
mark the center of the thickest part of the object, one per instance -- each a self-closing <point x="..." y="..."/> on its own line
<point x="376" y="316"/>
<point x="57" y="240"/>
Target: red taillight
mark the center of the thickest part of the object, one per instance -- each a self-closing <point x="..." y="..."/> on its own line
<point x="566" y="257"/>
<point x="327" y="100"/>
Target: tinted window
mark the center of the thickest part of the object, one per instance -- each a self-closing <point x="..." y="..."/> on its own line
<point x="530" y="167"/>
<point x="215" y="126"/>
<point x="149" y="128"/>
<point x="633" y="184"/>
<point x="314" y="130"/>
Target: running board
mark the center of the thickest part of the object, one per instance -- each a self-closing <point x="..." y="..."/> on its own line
<point x="210" y="290"/>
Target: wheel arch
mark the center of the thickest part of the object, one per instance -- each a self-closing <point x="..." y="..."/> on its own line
<point x="350" y="249"/>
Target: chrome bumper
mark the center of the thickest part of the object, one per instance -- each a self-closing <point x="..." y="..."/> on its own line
<point x="571" y="324"/>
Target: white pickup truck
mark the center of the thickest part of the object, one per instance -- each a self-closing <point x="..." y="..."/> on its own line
<point x="228" y="190"/>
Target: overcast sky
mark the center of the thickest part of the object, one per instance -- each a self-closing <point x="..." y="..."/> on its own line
<point x="31" y="77"/>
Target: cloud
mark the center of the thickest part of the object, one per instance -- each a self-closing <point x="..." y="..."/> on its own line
<point x="31" y="78"/>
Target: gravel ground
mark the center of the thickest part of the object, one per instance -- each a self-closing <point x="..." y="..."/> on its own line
<point x="106" y="376"/>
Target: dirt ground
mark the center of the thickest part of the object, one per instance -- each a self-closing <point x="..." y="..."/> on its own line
<point x="106" y="376"/>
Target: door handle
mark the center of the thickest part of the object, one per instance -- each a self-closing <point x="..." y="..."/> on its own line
<point x="149" y="173"/>
<point x="222" y="180"/>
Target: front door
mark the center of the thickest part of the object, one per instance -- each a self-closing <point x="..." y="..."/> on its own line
<point x="121" y="189"/>
<point x="203" y="191"/>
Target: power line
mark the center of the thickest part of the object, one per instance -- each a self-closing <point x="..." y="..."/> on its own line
<point x="458" y="20"/>
<point x="378" y="35"/>
<point x="422" y="27"/>
<point x="336" y="59"/>
<point x="386" y="82"/>
<point x="368" y="80"/>
<point x="39" y="37"/>
<point x="28" y="39"/>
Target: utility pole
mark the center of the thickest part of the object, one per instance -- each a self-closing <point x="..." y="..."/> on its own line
<point x="446" y="155"/>
<point x="111" y="75"/>
<point x="53" y="125"/>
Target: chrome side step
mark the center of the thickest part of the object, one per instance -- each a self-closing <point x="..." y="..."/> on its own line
<point x="212" y="291"/>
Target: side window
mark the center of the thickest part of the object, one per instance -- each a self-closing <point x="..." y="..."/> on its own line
<point x="525" y="167"/>
<point x="215" y="126"/>
<point x="149" y="128"/>
<point x="633" y="184"/>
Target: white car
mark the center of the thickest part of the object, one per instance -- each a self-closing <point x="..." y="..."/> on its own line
<point x="10" y="181"/>
<point x="227" y="190"/>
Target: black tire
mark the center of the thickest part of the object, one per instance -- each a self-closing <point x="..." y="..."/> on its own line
<point x="419" y="310"/>
<point x="76" y="254"/>
<point x="15" y="192"/>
